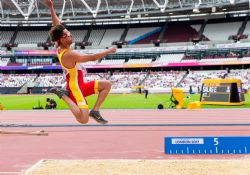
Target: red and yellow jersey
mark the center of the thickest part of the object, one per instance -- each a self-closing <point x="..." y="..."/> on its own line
<point x="77" y="87"/>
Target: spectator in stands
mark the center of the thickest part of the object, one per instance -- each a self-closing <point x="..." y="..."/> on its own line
<point x="77" y="90"/>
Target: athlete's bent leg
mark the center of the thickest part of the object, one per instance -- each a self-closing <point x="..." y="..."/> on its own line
<point x="103" y="89"/>
<point x="81" y="115"/>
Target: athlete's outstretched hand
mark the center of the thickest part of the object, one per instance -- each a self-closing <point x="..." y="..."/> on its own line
<point x="112" y="50"/>
<point x="49" y="3"/>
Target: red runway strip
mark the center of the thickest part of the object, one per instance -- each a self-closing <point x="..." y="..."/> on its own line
<point x="18" y="152"/>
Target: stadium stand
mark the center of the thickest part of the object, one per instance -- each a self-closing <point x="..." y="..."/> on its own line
<point x="228" y="29"/>
<point x="110" y="36"/>
<point x="179" y="33"/>
<point x="6" y="36"/>
<point x="96" y="76"/>
<point x="16" y="80"/>
<point x="194" y="78"/>
<point x="78" y="35"/>
<point x="96" y="36"/>
<point x="163" y="80"/>
<point x="125" y="80"/>
<point x="134" y="33"/>
<point x="49" y="80"/>
<point x="31" y="37"/>
<point x="149" y="39"/>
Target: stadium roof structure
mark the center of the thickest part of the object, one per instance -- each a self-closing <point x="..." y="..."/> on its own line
<point x="112" y="11"/>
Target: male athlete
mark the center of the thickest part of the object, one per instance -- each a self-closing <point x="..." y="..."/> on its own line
<point x="70" y="61"/>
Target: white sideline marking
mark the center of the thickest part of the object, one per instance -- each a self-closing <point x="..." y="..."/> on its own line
<point x="33" y="167"/>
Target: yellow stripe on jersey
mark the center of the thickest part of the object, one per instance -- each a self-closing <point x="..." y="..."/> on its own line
<point x="75" y="89"/>
<point x="96" y="86"/>
<point x="59" y="55"/>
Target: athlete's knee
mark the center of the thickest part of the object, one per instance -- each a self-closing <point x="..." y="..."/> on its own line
<point x="83" y="120"/>
<point x="108" y="85"/>
<point x="83" y="117"/>
<point x="104" y="85"/>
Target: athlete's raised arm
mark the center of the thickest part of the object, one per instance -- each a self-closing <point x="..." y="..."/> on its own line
<point x="76" y="57"/>
<point x="55" y="19"/>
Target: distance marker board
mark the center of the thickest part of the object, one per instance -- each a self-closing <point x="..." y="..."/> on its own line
<point x="208" y="145"/>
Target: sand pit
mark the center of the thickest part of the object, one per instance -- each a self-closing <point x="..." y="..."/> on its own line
<point x="141" y="167"/>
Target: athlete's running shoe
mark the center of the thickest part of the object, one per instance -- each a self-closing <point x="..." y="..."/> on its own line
<point x="59" y="92"/>
<point x="97" y="117"/>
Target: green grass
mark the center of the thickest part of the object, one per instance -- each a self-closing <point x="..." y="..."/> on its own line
<point x="113" y="101"/>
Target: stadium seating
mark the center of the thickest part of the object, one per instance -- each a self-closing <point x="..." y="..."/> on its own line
<point x="78" y="35"/>
<point x="175" y="33"/>
<point x="194" y="78"/>
<point x="227" y="29"/>
<point x="16" y="80"/>
<point x="163" y="79"/>
<point x="6" y="36"/>
<point x="31" y="37"/>
<point x="96" y="76"/>
<point x="110" y="36"/>
<point x="134" y="33"/>
<point x="179" y="33"/>
<point x="96" y="36"/>
<point x="148" y="39"/>
<point x="123" y="80"/>
<point x="49" y="80"/>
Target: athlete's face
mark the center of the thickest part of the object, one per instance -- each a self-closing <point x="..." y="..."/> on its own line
<point x="67" y="37"/>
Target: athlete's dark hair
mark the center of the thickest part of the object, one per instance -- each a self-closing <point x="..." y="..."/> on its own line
<point x="56" y="32"/>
